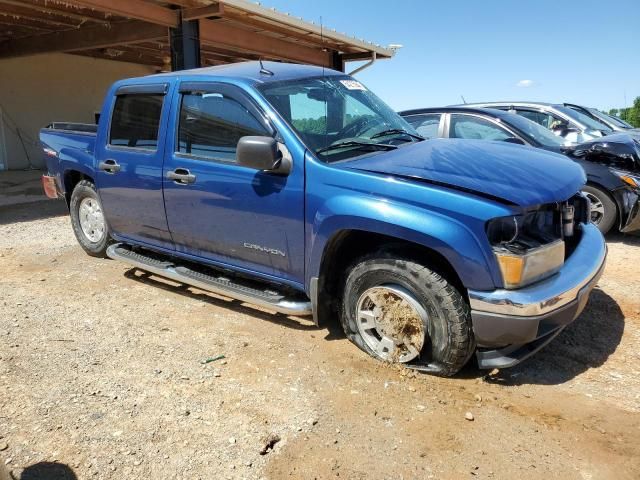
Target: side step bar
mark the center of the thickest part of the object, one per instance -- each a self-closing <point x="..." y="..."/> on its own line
<point x="213" y="281"/>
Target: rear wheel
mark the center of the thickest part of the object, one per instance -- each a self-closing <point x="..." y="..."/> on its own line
<point x="399" y="311"/>
<point x="88" y="220"/>
<point x="603" y="209"/>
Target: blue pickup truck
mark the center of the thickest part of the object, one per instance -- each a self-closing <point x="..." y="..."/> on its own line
<point x="294" y="188"/>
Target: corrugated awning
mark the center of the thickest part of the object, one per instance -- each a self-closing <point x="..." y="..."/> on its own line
<point x="138" y="31"/>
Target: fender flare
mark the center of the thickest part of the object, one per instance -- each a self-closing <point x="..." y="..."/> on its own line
<point x="454" y="241"/>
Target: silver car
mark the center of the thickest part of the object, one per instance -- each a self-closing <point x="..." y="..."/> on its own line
<point x="574" y="126"/>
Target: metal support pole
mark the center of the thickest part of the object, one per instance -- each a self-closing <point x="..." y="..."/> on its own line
<point x="185" y="45"/>
<point x="338" y="62"/>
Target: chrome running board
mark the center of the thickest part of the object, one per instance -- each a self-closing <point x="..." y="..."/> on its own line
<point x="213" y="281"/>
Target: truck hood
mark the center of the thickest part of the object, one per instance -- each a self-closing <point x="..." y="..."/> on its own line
<point x="512" y="173"/>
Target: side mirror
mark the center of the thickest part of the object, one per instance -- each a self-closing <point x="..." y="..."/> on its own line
<point x="261" y="153"/>
<point x="563" y="129"/>
<point x="516" y="140"/>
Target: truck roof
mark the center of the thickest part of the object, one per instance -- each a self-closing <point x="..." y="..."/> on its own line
<point x="247" y="71"/>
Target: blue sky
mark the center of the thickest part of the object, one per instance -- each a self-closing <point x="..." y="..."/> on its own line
<point x="586" y="52"/>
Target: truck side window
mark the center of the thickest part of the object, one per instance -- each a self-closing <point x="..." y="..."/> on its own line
<point x="211" y="124"/>
<point x="426" y="124"/>
<point x="135" y="121"/>
<point x="466" y="126"/>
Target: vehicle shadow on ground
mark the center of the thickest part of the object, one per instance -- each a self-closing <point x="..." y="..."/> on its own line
<point x="26" y="212"/>
<point x="45" y="471"/>
<point x="218" y="301"/>
<point x="625" y="238"/>
<point x="586" y="343"/>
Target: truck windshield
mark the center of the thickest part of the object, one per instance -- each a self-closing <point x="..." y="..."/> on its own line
<point x="337" y="117"/>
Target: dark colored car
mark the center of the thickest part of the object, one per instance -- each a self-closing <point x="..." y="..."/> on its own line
<point x="614" y="123"/>
<point x="612" y="163"/>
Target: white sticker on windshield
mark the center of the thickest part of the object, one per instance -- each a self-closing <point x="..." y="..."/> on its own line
<point x="353" y="85"/>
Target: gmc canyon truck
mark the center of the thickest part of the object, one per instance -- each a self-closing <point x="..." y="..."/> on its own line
<point x="294" y="188"/>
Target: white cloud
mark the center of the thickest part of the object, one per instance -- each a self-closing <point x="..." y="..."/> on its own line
<point x="525" y="83"/>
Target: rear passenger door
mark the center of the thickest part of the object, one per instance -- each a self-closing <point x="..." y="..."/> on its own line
<point x="129" y="155"/>
<point x="219" y="210"/>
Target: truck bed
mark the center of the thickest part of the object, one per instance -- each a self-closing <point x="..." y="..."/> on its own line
<point x="68" y="148"/>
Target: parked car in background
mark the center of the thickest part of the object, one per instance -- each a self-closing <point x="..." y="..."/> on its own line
<point x="616" y="124"/>
<point x="612" y="163"/>
<point x="295" y="188"/>
<point x="573" y="126"/>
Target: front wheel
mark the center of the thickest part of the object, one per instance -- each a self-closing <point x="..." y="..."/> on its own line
<point x="603" y="209"/>
<point x="399" y="311"/>
<point x="88" y="220"/>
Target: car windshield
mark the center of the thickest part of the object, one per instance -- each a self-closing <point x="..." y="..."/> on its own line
<point x="533" y="131"/>
<point x="337" y="117"/>
<point x="586" y="120"/>
<point x="615" y="120"/>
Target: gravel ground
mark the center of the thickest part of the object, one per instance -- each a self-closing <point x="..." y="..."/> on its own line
<point x="103" y="375"/>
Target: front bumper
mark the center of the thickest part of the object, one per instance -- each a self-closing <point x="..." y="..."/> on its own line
<point x="628" y="200"/>
<point x="511" y="325"/>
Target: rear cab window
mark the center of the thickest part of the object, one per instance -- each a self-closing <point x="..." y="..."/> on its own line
<point x="135" y="121"/>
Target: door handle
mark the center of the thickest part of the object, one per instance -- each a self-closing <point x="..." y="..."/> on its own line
<point x="109" y="166"/>
<point x="181" y="176"/>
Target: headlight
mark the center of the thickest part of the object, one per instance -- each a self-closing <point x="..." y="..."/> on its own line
<point x="628" y="178"/>
<point x="525" y="248"/>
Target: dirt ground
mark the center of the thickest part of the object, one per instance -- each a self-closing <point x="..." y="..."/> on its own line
<point x="103" y="375"/>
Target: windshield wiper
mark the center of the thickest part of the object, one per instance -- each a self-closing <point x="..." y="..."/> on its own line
<point x="395" y="131"/>
<point x="361" y="145"/>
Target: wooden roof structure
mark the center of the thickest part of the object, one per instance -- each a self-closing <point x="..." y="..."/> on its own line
<point x="138" y="31"/>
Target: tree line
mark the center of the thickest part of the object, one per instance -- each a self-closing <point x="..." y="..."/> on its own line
<point x="630" y="115"/>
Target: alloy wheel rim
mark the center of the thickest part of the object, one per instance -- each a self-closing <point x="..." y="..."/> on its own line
<point x="597" y="208"/>
<point x="392" y="323"/>
<point x="91" y="219"/>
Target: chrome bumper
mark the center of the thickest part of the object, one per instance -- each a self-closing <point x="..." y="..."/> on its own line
<point x="507" y="317"/>
<point x="555" y="292"/>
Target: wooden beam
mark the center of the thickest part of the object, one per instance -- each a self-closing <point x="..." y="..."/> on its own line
<point x="215" y="10"/>
<point x="348" y="57"/>
<point x="306" y="36"/>
<point x="134" y="9"/>
<point x="83" y="39"/>
<point x="216" y="33"/>
<point x="50" y="14"/>
<point x="188" y="3"/>
<point x="16" y="13"/>
<point x="124" y="56"/>
<point x="12" y="24"/>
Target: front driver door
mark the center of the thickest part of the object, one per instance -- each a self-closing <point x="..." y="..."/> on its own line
<point x="219" y="210"/>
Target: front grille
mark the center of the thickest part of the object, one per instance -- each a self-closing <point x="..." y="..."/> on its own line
<point x="544" y="225"/>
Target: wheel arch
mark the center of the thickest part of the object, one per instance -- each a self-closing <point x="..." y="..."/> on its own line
<point x="70" y="179"/>
<point x="346" y="247"/>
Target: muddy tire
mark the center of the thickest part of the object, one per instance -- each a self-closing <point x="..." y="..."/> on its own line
<point x="88" y="221"/>
<point x="604" y="212"/>
<point x="399" y="311"/>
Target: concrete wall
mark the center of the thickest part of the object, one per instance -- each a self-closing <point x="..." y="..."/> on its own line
<point x="40" y="89"/>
